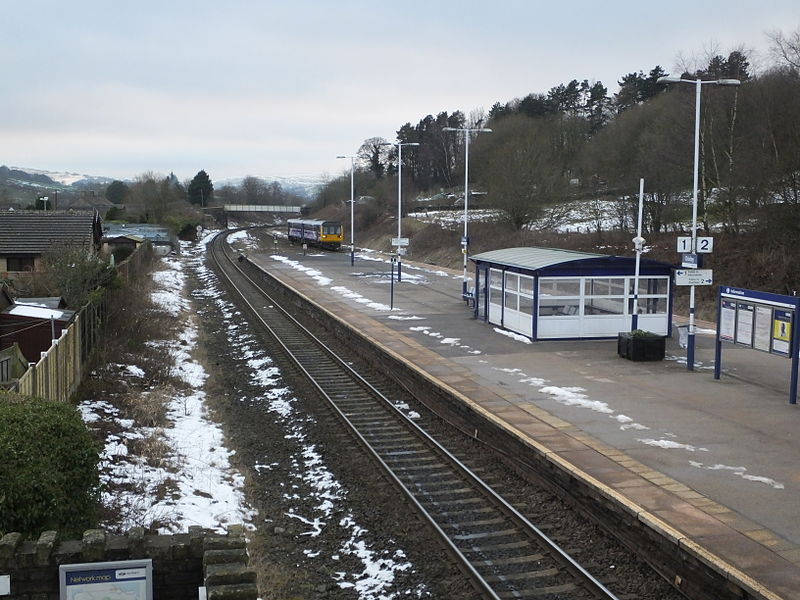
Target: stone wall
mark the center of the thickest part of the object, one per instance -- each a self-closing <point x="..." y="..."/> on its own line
<point x="182" y="563"/>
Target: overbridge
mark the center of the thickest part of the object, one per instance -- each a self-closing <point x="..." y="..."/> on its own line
<point x="277" y="208"/>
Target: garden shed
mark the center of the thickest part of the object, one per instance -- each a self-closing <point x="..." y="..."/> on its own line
<point x="548" y="293"/>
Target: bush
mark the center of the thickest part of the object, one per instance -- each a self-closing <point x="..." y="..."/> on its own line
<point x="48" y="468"/>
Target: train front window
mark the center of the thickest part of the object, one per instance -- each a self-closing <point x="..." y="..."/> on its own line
<point x="331" y="228"/>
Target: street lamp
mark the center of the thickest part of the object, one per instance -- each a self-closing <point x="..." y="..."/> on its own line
<point x="399" y="196"/>
<point x="698" y="83"/>
<point x="465" y="240"/>
<point x="352" y="204"/>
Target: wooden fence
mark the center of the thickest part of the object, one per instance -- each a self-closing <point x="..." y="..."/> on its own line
<point x="60" y="370"/>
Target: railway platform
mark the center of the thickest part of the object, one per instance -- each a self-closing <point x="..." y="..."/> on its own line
<point x="712" y="465"/>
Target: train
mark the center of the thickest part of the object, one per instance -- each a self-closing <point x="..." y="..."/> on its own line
<point x="316" y="232"/>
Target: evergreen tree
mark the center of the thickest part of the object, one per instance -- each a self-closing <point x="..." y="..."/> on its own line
<point x="116" y="192"/>
<point x="200" y="190"/>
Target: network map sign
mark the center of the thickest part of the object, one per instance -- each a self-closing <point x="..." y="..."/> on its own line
<point x="121" y="580"/>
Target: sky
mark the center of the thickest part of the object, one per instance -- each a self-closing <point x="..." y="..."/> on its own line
<point x="279" y="89"/>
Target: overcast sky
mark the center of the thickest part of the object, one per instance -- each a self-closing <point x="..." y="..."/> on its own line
<point x="279" y="88"/>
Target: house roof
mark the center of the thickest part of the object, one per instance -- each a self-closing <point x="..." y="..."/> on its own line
<point x="35" y="232"/>
<point x="37" y="312"/>
<point x="44" y="302"/>
<point x="536" y="259"/>
<point x="122" y="238"/>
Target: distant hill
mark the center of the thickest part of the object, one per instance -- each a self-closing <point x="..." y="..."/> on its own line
<point x="27" y="177"/>
<point x="53" y="178"/>
<point x="20" y="176"/>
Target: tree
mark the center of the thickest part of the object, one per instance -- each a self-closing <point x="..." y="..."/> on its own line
<point x="75" y="272"/>
<point x="374" y="154"/>
<point x="786" y="48"/>
<point x="254" y="190"/>
<point x="636" y="88"/>
<point x="153" y="197"/>
<point x="116" y="192"/>
<point x="520" y="166"/>
<point x="201" y="190"/>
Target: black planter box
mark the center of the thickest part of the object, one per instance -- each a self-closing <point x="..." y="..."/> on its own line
<point x="640" y="347"/>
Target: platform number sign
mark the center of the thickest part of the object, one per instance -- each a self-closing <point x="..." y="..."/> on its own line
<point x="705" y="245"/>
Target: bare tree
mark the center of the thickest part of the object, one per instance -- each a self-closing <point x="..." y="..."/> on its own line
<point x="786" y="48"/>
<point x="521" y="167"/>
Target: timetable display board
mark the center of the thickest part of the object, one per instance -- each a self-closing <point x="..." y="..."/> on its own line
<point x="782" y="332"/>
<point x="758" y="320"/>
<point x="119" y="580"/>
<point x="762" y="321"/>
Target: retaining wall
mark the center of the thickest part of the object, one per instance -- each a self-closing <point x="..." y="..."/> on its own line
<point x="182" y="563"/>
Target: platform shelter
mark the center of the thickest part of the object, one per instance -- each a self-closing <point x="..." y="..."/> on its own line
<point x="548" y="293"/>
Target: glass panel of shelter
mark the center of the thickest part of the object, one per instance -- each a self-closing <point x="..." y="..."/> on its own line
<point x="601" y="296"/>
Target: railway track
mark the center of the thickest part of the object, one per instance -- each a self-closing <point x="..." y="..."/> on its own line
<point x="503" y="554"/>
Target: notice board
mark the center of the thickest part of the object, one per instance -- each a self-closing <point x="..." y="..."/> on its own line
<point x="119" y="580"/>
<point x="762" y="321"/>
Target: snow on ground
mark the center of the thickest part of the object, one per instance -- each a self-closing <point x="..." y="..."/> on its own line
<point x="203" y="487"/>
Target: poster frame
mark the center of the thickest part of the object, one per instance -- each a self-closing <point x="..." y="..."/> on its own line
<point x="102" y="570"/>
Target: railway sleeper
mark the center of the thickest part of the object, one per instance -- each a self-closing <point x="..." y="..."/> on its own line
<point x="545" y="591"/>
<point x="514" y="560"/>
<point x="476" y="523"/>
<point x="524" y="575"/>
<point x="486" y="534"/>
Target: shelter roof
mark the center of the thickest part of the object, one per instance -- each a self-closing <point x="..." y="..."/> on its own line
<point x="533" y="258"/>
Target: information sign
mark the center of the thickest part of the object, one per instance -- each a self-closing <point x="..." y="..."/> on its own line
<point x="399" y="241"/>
<point x="762" y="328"/>
<point x="760" y="320"/>
<point x="693" y="277"/>
<point x="121" y="580"/>
<point x="782" y="332"/>
<point x="685" y="244"/>
<point x="744" y="323"/>
<point x="705" y="245"/>
<point x="727" y="320"/>
<point x="689" y="261"/>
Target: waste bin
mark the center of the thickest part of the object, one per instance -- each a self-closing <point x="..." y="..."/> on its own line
<point x="683" y="336"/>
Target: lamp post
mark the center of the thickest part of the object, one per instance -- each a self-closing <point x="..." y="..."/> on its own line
<point x="399" y="195"/>
<point x="465" y="240"/>
<point x="698" y="83"/>
<point x="352" y="204"/>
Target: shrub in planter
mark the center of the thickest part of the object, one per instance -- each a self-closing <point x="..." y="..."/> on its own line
<point x="48" y="467"/>
<point x="640" y="345"/>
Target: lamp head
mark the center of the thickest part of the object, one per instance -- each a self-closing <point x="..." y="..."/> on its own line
<point x="668" y="79"/>
<point x="729" y="82"/>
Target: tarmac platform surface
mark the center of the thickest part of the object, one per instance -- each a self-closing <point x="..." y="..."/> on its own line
<point x="712" y="463"/>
